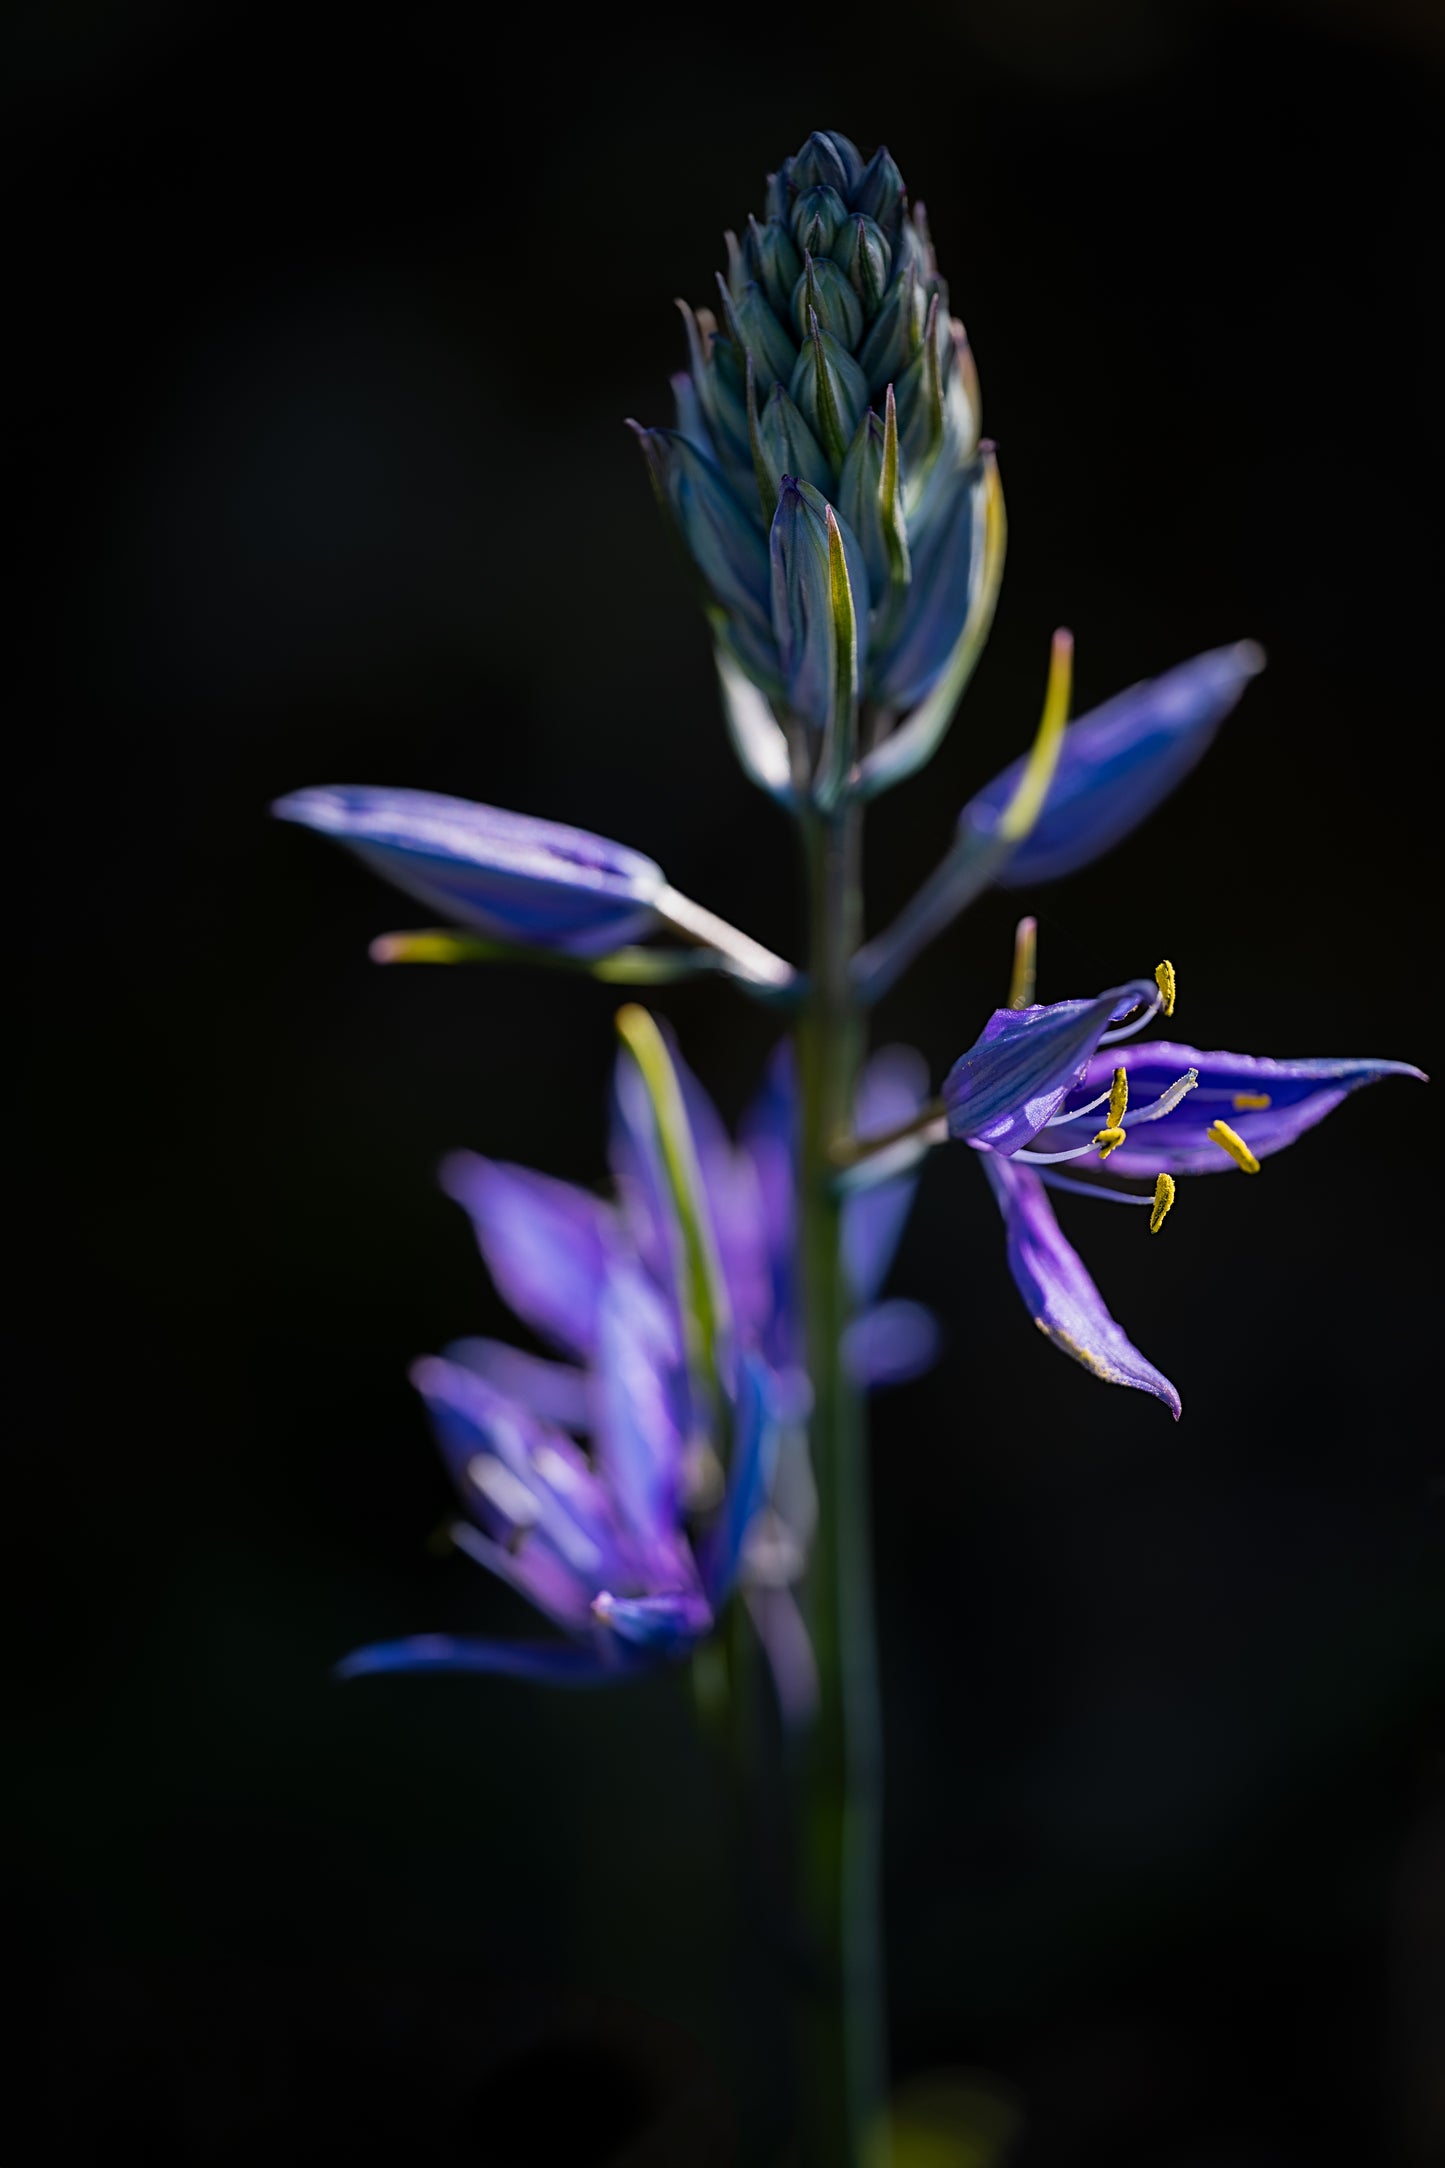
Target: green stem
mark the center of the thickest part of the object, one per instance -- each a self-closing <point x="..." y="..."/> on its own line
<point x="844" y="2062"/>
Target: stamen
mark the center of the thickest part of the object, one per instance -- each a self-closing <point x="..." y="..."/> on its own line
<point x="1167" y="983"/>
<point x="1118" y="1097"/>
<point x="1109" y="1140"/>
<point x="1244" y="1102"/>
<point x="1093" y="1189"/>
<point x="1163" y="1202"/>
<point x="1056" y="1121"/>
<point x="1229" y="1140"/>
<point x="1021" y="985"/>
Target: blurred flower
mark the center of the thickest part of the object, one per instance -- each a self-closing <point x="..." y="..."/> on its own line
<point x="1038" y="1075"/>
<point x="832" y="376"/>
<point x="615" y="1487"/>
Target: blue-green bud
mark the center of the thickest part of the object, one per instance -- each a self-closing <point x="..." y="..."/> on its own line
<point x="827" y="161"/>
<point x="831" y="389"/>
<point x="784" y="444"/>
<point x="870" y="499"/>
<point x="823" y="291"/>
<point x="880" y="193"/>
<point x="896" y="332"/>
<point x="832" y="303"/>
<point x="757" y="331"/>
<point x="819" y="630"/>
<point x="862" y="249"/>
<point x="818" y="217"/>
<point x="773" y="260"/>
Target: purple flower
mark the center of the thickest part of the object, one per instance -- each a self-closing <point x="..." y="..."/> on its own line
<point x="1116" y="764"/>
<point x="614" y="1489"/>
<point x="512" y="877"/>
<point x="1038" y="1092"/>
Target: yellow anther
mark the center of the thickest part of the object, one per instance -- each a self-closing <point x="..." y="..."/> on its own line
<point x="1118" y="1098"/>
<point x="1163" y="1202"/>
<point x="1229" y="1140"/>
<point x="1109" y="1140"/>
<point x="1244" y="1102"/>
<point x="1167" y="984"/>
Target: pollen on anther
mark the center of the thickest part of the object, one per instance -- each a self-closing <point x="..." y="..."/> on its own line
<point x="1109" y="1140"/>
<point x="1118" y="1098"/>
<point x="1163" y="1202"/>
<point x="1168" y="985"/>
<point x="1229" y="1140"/>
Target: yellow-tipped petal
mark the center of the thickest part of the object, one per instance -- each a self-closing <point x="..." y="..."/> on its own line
<point x="1109" y="1140"/>
<point x="1167" y="984"/>
<point x="1026" y="804"/>
<point x="1163" y="1202"/>
<point x="1118" y="1098"/>
<point x="1021" y="985"/>
<point x="1245" y="1102"/>
<point x="1229" y="1140"/>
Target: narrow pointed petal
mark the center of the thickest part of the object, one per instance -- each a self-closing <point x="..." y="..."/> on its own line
<point x="546" y="1663"/>
<point x="1017" y="1075"/>
<point x="556" y="1392"/>
<point x="546" y="1244"/>
<point x="1269" y="1103"/>
<point x="1058" y="1293"/>
<point x="893" y="1087"/>
<point x="890" y="1343"/>
<point x="779" y="1622"/>
<point x="639" y="1442"/>
<point x="1117" y="764"/>
<point x="750" y="1474"/>
<point x="519" y="879"/>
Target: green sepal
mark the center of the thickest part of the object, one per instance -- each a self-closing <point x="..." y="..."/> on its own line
<point x="862" y="250"/>
<point x="758" y="334"/>
<point x="823" y="291"/>
<point x="817" y="217"/>
<point x="831" y="390"/>
<point x="773" y="260"/>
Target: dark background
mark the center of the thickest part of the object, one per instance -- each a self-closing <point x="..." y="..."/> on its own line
<point x="322" y="336"/>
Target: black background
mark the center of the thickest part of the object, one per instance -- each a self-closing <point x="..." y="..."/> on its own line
<point x="323" y="334"/>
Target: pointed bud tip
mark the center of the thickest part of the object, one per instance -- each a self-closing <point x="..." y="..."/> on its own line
<point x="1250" y="657"/>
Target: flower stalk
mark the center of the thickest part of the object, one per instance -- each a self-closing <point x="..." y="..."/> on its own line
<point x="844" y="2061"/>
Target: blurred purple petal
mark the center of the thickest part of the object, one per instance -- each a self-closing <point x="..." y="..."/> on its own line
<point x="639" y="1440"/>
<point x="891" y="1343"/>
<point x="750" y="1473"/>
<point x="546" y="1662"/>
<point x="779" y="1623"/>
<point x="1058" y="1294"/>
<point x="668" y="1625"/>
<point x="511" y="876"/>
<point x="892" y="1088"/>
<point x="556" y="1392"/>
<point x="546" y="1243"/>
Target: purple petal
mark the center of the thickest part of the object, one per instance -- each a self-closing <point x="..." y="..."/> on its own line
<point x="639" y="1439"/>
<point x="893" y="1086"/>
<point x="1300" y="1093"/>
<point x="1059" y="1295"/>
<point x="1118" y="763"/>
<point x="730" y="1181"/>
<point x="511" y="876"/>
<point x="668" y="1625"/>
<point x="550" y="1663"/>
<point x="1016" y="1076"/>
<point x="769" y="1137"/>
<point x="546" y="1244"/>
<point x="528" y="1488"/>
<point x="891" y="1343"/>
<point x="556" y="1392"/>
<point x="750" y="1474"/>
